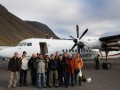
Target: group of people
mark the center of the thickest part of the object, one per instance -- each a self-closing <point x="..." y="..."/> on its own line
<point x="50" y="71"/>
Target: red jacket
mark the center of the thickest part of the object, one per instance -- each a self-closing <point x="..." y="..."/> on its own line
<point x="71" y="65"/>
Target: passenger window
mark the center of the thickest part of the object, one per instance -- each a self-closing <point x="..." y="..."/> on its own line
<point x="66" y="50"/>
<point x="29" y="44"/>
<point x="72" y="50"/>
<point x="75" y="50"/>
<point x="81" y="50"/>
<point x="69" y="50"/>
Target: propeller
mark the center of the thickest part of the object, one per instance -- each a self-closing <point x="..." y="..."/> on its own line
<point x="78" y="43"/>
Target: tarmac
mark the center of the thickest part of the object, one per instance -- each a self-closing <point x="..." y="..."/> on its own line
<point x="101" y="79"/>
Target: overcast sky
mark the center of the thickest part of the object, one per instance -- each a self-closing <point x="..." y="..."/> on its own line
<point x="101" y="17"/>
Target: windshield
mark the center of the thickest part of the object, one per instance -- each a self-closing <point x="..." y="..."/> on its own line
<point x="22" y="44"/>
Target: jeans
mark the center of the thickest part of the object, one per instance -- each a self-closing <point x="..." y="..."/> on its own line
<point x="47" y="78"/>
<point x="41" y="82"/>
<point x="64" y="79"/>
<point x="33" y="77"/>
<point x="71" y="79"/>
<point x="23" y="76"/>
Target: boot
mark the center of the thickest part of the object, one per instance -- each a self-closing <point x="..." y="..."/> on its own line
<point x="79" y="81"/>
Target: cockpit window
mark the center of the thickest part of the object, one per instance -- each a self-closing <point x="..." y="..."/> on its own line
<point x="21" y="44"/>
<point x="29" y="44"/>
<point x="25" y="44"/>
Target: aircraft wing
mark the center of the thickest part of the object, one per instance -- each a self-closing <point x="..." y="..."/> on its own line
<point x="110" y="39"/>
<point x="111" y="43"/>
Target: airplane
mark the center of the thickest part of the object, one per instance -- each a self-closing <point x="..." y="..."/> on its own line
<point x="88" y="47"/>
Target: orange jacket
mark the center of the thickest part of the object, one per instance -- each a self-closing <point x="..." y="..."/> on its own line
<point x="78" y="63"/>
<point x="71" y="65"/>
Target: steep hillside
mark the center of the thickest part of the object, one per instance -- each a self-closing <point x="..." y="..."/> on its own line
<point x="13" y="29"/>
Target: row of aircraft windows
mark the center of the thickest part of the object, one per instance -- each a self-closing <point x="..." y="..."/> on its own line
<point x="75" y="50"/>
<point x="25" y="44"/>
<point x="92" y="39"/>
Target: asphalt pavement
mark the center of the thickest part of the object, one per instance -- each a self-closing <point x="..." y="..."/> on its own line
<point x="101" y="79"/>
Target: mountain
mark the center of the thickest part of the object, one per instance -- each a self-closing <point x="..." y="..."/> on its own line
<point x="14" y="29"/>
<point x="43" y="28"/>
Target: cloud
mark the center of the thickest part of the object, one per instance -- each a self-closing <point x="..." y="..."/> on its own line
<point x="99" y="16"/>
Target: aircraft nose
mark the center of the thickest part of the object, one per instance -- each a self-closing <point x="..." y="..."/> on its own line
<point x="7" y="53"/>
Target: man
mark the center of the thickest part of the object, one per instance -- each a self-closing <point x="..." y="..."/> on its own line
<point x="13" y="68"/>
<point x="65" y="56"/>
<point x="23" y="69"/>
<point x="70" y="69"/>
<point x="56" y="56"/>
<point x="57" y="59"/>
<point x="97" y="62"/>
<point x="62" y="69"/>
<point x="47" y="59"/>
<point x="33" y="67"/>
<point x="41" y="81"/>
<point x="53" y="67"/>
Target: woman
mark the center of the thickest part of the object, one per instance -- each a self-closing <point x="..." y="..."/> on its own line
<point x="78" y="67"/>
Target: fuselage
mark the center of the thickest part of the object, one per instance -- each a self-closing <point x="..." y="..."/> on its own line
<point x="50" y="46"/>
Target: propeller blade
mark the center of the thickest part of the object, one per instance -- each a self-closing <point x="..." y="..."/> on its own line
<point x="84" y="33"/>
<point x="73" y="47"/>
<point x="77" y="30"/>
<point x="72" y="37"/>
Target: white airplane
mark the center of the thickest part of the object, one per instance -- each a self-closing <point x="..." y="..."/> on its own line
<point x="88" y="47"/>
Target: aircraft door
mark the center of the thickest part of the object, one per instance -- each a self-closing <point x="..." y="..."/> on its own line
<point x="43" y="48"/>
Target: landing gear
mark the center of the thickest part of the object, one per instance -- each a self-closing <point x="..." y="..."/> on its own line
<point x="106" y="65"/>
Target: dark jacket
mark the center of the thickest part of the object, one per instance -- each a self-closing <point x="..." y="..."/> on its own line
<point x="53" y="64"/>
<point x="33" y="64"/>
<point x="13" y="64"/>
<point x="47" y="64"/>
<point x="62" y="66"/>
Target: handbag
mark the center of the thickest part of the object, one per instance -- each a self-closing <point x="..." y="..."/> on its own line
<point x="80" y="73"/>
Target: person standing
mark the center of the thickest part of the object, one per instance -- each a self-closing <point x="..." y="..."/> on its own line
<point x="78" y="67"/>
<point x="41" y="81"/>
<point x="70" y="69"/>
<point x="97" y="59"/>
<point x="47" y="71"/>
<point x="53" y="67"/>
<point x="62" y="69"/>
<point x="33" y="66"/>
<point x="23" y="70"/>
<point x="57" y="59"/>
<point x="13" y="68"/>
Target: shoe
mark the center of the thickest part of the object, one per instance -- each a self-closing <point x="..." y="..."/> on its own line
<point x="25" y="84"/>
<point x="72" y="85"/>
<point x="9" y="86"/>
<point x="20" y="85"/>
<point x="49" y="86"/>
<point x="80" y="85"/>
<point x="66" y="86"/>
<point x="14" y="86"/>
<point x="56" y="86"/>
<point x="44" y="87"/>
<point x="39" y="87"/>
